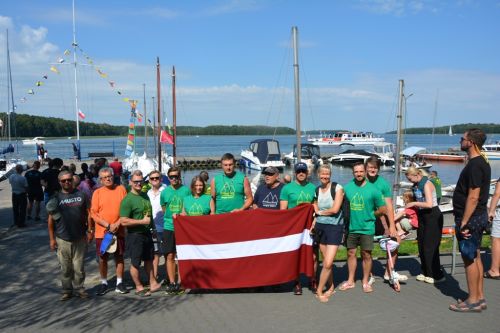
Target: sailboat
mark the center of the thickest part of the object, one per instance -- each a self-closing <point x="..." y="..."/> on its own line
<point x="8" y="161"/>
<point x="450" y="132"/>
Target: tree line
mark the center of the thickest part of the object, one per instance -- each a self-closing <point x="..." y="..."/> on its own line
<point x="457" y="129"/>
<point x="23" y="125"/>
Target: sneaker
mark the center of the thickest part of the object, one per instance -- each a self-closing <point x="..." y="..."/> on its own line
<point x="429" y="280"/>
<point x="83" y="294"/>
<point x="371" y="280"/>
<point x="170" y="290"/>
<point x="421" y="277"/>
<point x="178" y="289"/>
<point x="102" y="289"/>
<point x="440" y="280"/>
<point x="297" y="290"/>
<point x="65" y="296"/>
<point x="121" y="289"/>
<point x="399" y="277"/>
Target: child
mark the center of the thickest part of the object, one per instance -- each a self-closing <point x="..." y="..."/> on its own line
<point x="406" y="219"/>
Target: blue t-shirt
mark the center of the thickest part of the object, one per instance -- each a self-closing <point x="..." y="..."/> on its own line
<point x="268" y="198"/>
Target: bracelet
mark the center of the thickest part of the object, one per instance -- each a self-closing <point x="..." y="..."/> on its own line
<point x="107" y="228"/>
<point x="90" y="231"/>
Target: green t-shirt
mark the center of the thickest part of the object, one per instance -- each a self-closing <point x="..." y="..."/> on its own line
<point x="383" y="186"/>
<point x="172" y="199"/>
<point x="437" y="184"/>
<point x="297" y="194"/>
<point x="363" y="202"/>
<point x="135" y="206"/>
<point x="229" y="192"/>
<point x="197" y="206"/>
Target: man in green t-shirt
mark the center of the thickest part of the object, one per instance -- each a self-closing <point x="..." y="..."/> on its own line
<point x="295" y="193"/>
<point x="365" y="203"/>
<point x="231" y="189"/>
<point x="136" y="216"/>
<point x="433" y="177"/>
<point x="171" y="203"/>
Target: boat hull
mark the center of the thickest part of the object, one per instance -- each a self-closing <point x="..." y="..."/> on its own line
<point x="443" y="157"/>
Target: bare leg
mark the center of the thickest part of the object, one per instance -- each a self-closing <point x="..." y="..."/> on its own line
<point x="329" y="252"/>
<point x="472" y="275"/>
<point x="153" y="283"/>
<point x="367" y="265"/>
<point x="103" y="268"/>
<point x="37" y="209"/>
<point x="170" y="265"/>
<point x="156" y="261"/>
<point x="120" y="266"/>
<point x="134" y="273"/>
<point x="351" y="264"/>
<point x="29" y="208"/>
<point x="495" y="256"/>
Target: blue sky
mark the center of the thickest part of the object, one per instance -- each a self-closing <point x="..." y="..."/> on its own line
<point x="234" y="63"/>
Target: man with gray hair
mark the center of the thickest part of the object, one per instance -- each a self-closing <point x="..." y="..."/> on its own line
<point x="19" y="186"/>
<point x="69" y="232"/>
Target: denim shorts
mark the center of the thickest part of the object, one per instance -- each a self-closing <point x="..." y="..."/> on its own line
<point x="477" y="225"/>
<point x="330" y="234"/>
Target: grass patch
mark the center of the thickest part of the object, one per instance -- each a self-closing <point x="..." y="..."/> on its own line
<point x="407" y="248"/>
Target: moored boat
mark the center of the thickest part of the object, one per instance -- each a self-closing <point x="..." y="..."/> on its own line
<point x="262" y="153"/>
<point x="492" y="151"/>
<point x="447" y="157"/>
<point x="346" y="138"/>
<point x="35" y="141"/>
<point x="310" y="155"/>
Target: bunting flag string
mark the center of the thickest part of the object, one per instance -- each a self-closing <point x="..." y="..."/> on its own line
<point x="131" y="129"/>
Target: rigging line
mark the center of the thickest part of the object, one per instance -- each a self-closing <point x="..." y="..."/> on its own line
<point x="307" y="89"/>
<point x="392" y="120"/>
<point x="285" y="83"/>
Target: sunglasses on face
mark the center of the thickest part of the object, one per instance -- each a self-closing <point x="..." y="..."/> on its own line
<point x="174" y="177"/>
<point x="136" y="182"/>
<point x="154" y="178"/>
<point x="300" y="171"/>
<point x="462" y="139"/>
<point x="67" y="180"/>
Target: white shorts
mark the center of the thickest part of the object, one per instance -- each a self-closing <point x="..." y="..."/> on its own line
<point x="495" y="228"/>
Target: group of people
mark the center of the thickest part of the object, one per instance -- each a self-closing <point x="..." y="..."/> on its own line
<point x="141" y="219"/>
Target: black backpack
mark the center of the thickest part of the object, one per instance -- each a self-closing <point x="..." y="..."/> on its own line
<point x="345" y="208"/>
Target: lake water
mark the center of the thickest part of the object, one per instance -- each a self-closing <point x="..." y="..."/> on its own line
<point x="215" y="146"/>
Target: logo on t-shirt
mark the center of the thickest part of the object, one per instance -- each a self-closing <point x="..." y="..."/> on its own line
<point x="271" y="200"/>
<point x="357" y="202"/>
<point x="227" y="191"/>
<point x="304" y="198"/>
<point x="195" y="210"/>
<point x="175" y="205"/>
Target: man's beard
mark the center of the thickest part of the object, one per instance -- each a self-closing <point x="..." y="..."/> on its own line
<point x="359" y="182"/>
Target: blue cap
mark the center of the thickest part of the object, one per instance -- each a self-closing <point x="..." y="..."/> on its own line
<point x="301" y="167"/>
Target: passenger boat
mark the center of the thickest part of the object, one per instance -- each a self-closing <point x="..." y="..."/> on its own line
<point x="346" y="137"/>
<point x="262" y="153"/>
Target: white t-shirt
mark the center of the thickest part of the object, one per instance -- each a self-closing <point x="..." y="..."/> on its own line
<point x="155" y="204"/>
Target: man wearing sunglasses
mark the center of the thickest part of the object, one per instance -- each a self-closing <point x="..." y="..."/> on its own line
<point x="105" y="211"/>
<point x="231" y="189"/>
<point x="136" y="216"/>
<point x="295" y="193"/>
<point x="68" y="226"/>
<point x="171" y="202"/>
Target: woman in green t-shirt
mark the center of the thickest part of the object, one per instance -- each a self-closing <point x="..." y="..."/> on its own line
<point x="198" y="203"/>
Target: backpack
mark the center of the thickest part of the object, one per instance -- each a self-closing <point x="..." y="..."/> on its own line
<point x="344" y="208"/>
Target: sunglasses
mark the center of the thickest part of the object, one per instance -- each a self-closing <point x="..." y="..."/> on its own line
<point x="173" y="177"/>
<point x="463" y="139"/>
<point x="136" y="182"/>
<point x="300" y="171"/>
<point x="67" y="180"/>
<point x="154" y="178"/>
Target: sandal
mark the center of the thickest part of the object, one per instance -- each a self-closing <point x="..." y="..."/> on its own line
<point x="487" y="275"/>
<point x="143" y="293"/>
<point x="346" y="285"/>
<point x="322" y="298"/>
<point x="297" y="290"/>
<point x="367" y="288"/>
<point x="329" y="292"/>
<point x="482" y="302"/>
<point x="466" y="307"/>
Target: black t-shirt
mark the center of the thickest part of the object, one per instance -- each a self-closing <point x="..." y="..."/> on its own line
<point x="477" y="173"/>
<point x="33" y="177"/>
<point x="268" y="198"/>
<point x="50" y="176"/>
<point x="73" y="222"/>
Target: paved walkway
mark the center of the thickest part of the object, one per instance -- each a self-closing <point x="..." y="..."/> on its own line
<point x="30" y="292"/>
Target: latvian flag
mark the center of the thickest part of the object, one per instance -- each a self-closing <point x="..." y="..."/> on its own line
<point x="244" y="249"/>
<point x="81" y="115"/>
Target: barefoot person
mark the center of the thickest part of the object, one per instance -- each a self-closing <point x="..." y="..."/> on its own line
<point x="136" y="216"/>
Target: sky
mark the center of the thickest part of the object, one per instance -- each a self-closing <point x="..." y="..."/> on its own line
<point x="234" y="60"/>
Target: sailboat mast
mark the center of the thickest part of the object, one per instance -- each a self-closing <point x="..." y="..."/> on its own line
<point x="154" y="120"/>
<point x="158" y="99"/>
<point x="174" y="117"/>
<point x="297" y="92"/>
<point x="76" y="80"/>
<point x="145" y="119"/>
<point x="434" y="119"/>
<point x="10" y="105"/>
<point x="399" y="142"/>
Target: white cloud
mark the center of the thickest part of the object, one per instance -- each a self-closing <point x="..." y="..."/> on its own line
<point x="232" y="6"/>
<point x="397" y="7"/>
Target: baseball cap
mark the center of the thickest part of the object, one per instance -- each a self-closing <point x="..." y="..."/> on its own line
<point x="300" y="167"/>
<point x="270" y="170"/>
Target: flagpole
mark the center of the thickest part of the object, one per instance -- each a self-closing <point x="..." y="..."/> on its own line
<point x="154" y="120"/>
<point x="174" y="117"/>
<point x="158" y="86"/>
<point x="145" y="119"/>
<point x="76" y="84"/>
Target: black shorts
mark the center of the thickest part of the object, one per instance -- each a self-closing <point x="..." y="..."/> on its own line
<point x="329" y="234"/>
<point x="380" y="228"/>
<point x="168" y="242"/>
<point x="139" y="248"/>
<point x="35" y="196"/>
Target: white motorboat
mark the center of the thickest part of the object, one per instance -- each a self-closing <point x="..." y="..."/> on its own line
<point x="146" y="164"/>
<point x="492" y="151"/>
<point x="410" y="159"/>
<point x="262" y="153"/>
<point x="35" y="141"/>
<point x="310" y="155"/>
<point x="346" y="137"/>
<point x="352" y="156"/>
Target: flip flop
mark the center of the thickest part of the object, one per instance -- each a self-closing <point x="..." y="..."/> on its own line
<point x="329" y="292"/>
<point x="487" y="275"/>
<point x="143" y="293"/>
<point x="344" y="286"/>
<point x="466" y="307"/>
<point x="367" y="288"/>
<point x="323" y="298"/>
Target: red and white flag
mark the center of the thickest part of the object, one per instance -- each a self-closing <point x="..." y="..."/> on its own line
<point x="244" y="249"/>
<point x="81" y="115"/>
